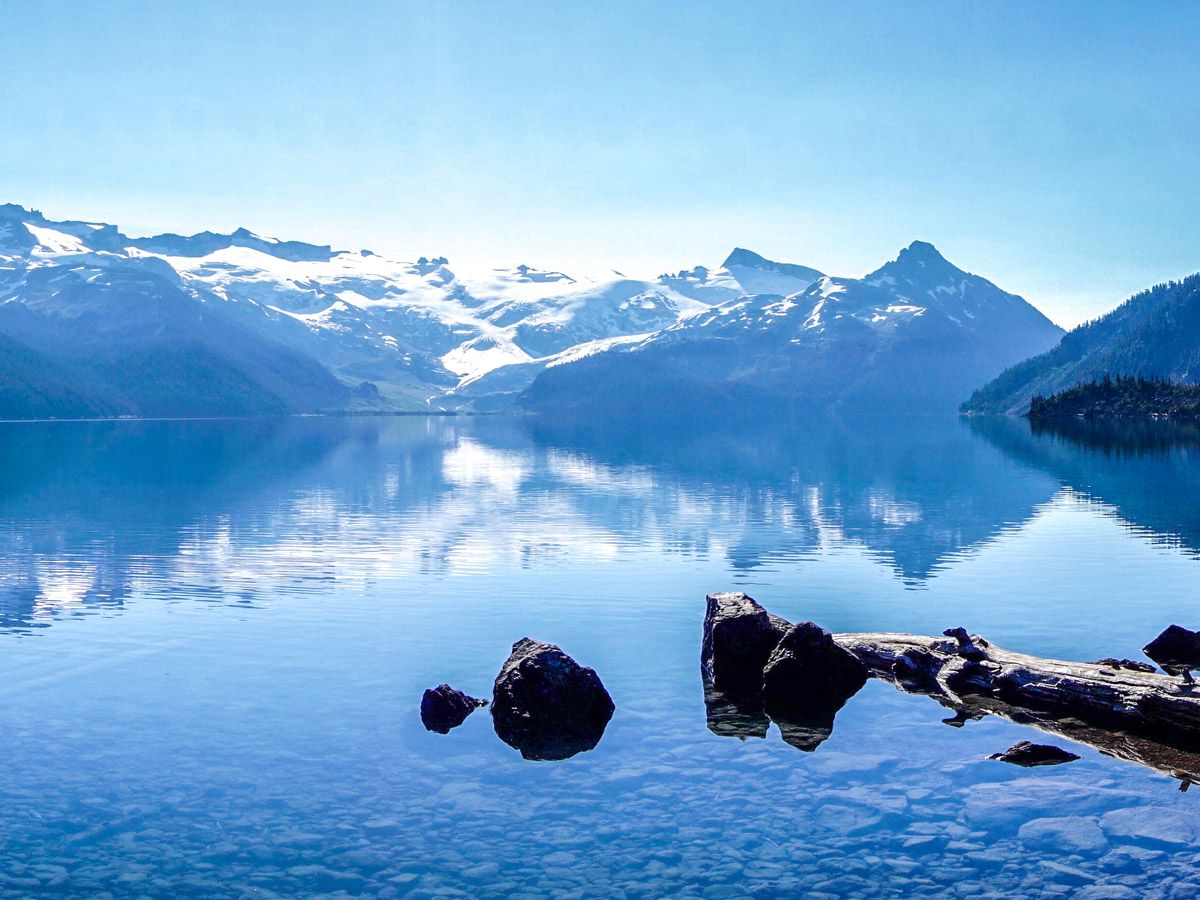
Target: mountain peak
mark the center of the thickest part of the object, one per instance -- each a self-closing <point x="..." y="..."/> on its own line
<point x="748" y="259"/>
<point x="922" y="251"/>
<point x="743" y="257"/>
<point x="919" y="261"/>
<point x="206" y="242"/>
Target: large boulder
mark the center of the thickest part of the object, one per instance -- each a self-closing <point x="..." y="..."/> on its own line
<point x="443" y="708"/>
<point x="809" y="668"/>
<point x="806" y="680"/>
<point x="1176" y="649"/>
<point x="546" y="705"/>
<point x="739" y="636"/>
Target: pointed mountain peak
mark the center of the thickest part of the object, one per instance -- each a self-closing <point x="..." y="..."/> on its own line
<point x="748" y="259"/>
<point x="743" y="257"/>
<point x="921" y="252"/>
<point x="919" y="261"/>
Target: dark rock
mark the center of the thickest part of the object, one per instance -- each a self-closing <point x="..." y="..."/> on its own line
<point x="443" y="708"/>
<point x="739" y="636"/>
<point x="968" y="647"/>
<point x="1132" y="664"/>
<point x="1177" y="649"/>
<point x="916" y="670"/>
<point x="808" y="668"/>
<point x="806" y="680"/>
<point x="547" y="705"/>
<point x="1029" y="754"/>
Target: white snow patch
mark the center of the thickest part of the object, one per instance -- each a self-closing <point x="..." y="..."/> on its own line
<point x="55" y="242"/>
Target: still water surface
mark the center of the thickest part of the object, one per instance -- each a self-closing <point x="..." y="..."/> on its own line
<point x="214" y="637"/>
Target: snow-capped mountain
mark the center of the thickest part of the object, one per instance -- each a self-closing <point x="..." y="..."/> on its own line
<point x="93" y="321"/>
<point x="914" y="335"/>
<point x="394" y="334"/>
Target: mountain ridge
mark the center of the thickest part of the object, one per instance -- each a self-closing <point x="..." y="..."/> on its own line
<point x="311" y="328"/>
<point x="906" y="336"/>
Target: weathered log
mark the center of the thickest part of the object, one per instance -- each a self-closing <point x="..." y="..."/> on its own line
<point x="1143" y="717"/>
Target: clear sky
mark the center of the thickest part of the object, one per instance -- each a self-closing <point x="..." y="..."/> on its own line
<point x="1052" y="147"/>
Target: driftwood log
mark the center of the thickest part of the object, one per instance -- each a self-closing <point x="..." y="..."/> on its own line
<point x="1143" y="717"/>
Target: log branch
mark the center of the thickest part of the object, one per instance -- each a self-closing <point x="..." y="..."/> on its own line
<point x="1143" y="717"/>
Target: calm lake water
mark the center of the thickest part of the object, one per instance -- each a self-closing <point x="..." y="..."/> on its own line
<point x="214" y="637"/>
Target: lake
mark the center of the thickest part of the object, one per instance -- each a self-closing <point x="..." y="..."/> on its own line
<point x="214" y="637"/>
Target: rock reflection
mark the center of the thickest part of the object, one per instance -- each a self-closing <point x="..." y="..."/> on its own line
<point x="738" y="717"/>
<point x="1153" y="752"/>
<point x="804" y="726"/>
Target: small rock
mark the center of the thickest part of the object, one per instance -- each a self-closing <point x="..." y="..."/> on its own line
<point x="968" y="647"/>
<point x="547" y="705"/>
<point x="1025" y="753"/>
<point x="739" y="636"/>
<point x="443" y="708"/>
<point x="1132" y="664"/>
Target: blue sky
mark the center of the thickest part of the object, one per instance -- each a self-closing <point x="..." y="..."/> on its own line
<point x="1052" y="147"/>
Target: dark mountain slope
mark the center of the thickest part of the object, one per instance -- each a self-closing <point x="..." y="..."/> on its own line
<point x="140" y="344"/>
<point x="33" y="386"/>
<point x="1155" y="334"/>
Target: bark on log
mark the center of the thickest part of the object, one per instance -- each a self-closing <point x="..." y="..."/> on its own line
<point x="1147" y="718"/>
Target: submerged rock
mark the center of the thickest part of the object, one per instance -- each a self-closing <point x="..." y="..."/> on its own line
<point x="443" y="708"/>
<point x="1027" y="754"/>
<point x="546" y="705"/>
<point x="739" y="636"/>
<point x="806" y="680"/>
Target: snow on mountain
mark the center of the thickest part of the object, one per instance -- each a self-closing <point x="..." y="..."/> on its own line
<point x="743" y="272"/>
<point x="919" y="284"/>
<point x="466" y="326"/>
<point x="422" y="334"/>
<point x="915" y="334"/>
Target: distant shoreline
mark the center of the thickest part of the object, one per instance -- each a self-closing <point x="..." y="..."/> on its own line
<point x="440" y="414"/>
<point x="1123" y="398"/>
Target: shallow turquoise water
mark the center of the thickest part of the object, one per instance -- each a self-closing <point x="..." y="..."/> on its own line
<point x="215" y="636"/>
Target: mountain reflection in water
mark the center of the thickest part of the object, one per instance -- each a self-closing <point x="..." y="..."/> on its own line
<point x="224" y="510"/>
<point x="216" y="635"/>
